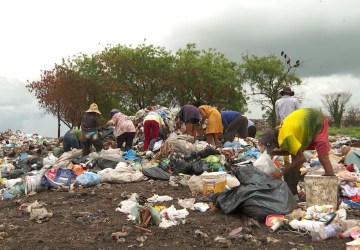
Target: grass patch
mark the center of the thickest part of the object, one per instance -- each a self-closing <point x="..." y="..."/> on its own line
<point x="353" y="132"/>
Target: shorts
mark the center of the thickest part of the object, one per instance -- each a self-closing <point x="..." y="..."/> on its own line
<point x="321" y="141"/>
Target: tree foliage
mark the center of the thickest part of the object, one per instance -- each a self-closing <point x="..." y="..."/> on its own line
<point x="141" y="75"/>
<point x="132" y="78"/>
<point x="335" y="103"/>
<point x="352" y="116"/>
<point x="59" y="91"/>
<point x="266" y="77"/>
<point x="209" y="76"/>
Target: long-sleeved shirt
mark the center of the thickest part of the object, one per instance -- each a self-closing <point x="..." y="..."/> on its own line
<point x="122" y="124"/>
<point x="284" y="106"/>
<point x="90" y="122"/>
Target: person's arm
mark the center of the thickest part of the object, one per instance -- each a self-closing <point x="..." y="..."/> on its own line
<point x="203" y="115"/>
<point x="297" y="160"/>
<point x="296" y="104"/>
<point x="224" y="122"/>
<point x="277" y="110"/>
<point x="98" y="123"/>
<point x="325" y="162"/>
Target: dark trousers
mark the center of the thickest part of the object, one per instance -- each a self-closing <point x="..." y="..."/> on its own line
<point x="252" y="131"/>
<point x="87" y="143"/>
<point x="237" y="126"/>
<point x="292" y="178"/>
<point x="126" y="137"/>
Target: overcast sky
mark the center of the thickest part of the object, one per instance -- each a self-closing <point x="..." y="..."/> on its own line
<point x="35" y="35"/>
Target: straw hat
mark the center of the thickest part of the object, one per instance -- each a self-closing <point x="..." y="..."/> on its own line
<point x="93" y="108"/>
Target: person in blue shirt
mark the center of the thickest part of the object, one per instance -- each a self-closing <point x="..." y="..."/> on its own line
<point x="235" y="123"/>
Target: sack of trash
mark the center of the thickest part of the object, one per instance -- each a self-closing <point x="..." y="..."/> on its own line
<point x="257" y="196"/>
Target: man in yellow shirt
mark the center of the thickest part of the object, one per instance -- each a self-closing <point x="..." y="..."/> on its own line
<point x="302" y="129"/>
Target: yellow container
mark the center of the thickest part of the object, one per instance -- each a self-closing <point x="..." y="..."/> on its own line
<point x="213" y="182"/>
<point x="321" y="190"/>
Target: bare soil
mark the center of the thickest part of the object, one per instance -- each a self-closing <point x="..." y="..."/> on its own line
<point x="86" y="218"/>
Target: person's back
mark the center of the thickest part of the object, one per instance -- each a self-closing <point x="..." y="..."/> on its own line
<point x="72" y="139"/>
<point x="286" y="104"/>
<point x="228" y="116"/>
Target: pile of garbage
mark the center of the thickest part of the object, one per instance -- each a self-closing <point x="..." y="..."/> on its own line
<point x="234" y="178"/>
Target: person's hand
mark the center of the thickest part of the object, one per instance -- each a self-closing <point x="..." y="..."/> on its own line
<point x="277" y="174"/>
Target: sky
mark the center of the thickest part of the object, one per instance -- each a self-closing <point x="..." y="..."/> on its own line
<point x="35" y="35"/>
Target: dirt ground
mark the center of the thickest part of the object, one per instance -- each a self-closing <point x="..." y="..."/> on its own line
<point x="86" y="218"/>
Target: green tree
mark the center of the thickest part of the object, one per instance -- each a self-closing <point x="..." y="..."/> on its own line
<point x="68" y="89"/>
<point x="209" y="76"/>
<point x="335" y="103"/>
<point x="140" y="75"/>
<point x="266" y="77"/>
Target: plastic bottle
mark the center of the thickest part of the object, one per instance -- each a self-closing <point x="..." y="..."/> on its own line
<point x="308" y="225"/>
<point x="9" y="183"/>
<point x="330" y="231"/>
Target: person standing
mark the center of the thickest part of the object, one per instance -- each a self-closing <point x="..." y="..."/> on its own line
<point x="152" y="123"/>
<point x="72" y="139"/>
<point x="190" y="115"/>
<point x="286" y="104"/>
<point x="214" y="127"/>
<point x="90" y="126"/>
<point x="124" y="129"/>
<point x="303" y="129"/>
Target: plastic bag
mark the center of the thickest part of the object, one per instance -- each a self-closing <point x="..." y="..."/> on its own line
<point x="120" y="175"/>
<point x="265" y="164"/>
<point x="87" y="179"/>
<point x="130" y="155"/>
<point x="257" y="196"/>
<point x="10" y="193"/>
<point x="199" y="167"/>
<point x="57" y="177"/>
<point x="50" y="159"/>
<point x="195" y="184"/>
<point x="156" y="173"/>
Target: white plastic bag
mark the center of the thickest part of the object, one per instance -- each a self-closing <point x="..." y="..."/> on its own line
<point x="265" y="164"/>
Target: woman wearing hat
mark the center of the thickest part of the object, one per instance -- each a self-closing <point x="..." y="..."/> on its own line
<point x="90" y="126"/>
<point x="124" y="129"/>
<point x="286" y="104"/>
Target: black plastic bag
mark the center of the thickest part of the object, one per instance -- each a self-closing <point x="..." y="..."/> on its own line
<point x="156" y="173"/>
<point x="199" y="167"/>
<point x="78" y="160"/>
<point x="208" y="151"/>
<point x="257" y="196"/>
<point x="15" y="173"/>
<point x="21" y="164"/>
<point x="152" y="144"/>
<point x="35" y="163"/>
<point x="180" y="166"/>
<point x="104" y="163"/>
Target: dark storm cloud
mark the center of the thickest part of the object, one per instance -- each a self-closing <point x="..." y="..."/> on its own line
<point x="324" y="36"/>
